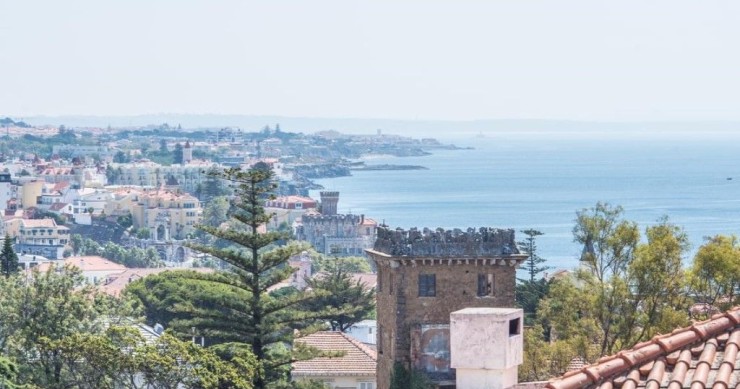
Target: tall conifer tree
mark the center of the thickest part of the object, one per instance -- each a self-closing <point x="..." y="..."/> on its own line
<point x="246" y="313"/>
<point x="8" y="258"/>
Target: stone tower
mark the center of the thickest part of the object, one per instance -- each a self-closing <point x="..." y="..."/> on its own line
<point x="187" y="153"/>
<point x="424" y="276"/>
<point x="329" y="202"/>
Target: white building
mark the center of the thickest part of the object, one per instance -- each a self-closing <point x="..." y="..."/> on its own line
<point x="364" y="331"/>
<point x="6" y="191"/>
<point x="89" y="203"/>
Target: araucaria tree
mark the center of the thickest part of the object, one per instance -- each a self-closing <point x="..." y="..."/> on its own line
<point x="8" y="258"/>
<point x="534" y="264"/>
<point x="530" y="291"/>
<point x="246" y="313"/>
<point x="353" y="300"/>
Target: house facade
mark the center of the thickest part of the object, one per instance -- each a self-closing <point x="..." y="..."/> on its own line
<point x="167" y="214"/>
<point x="40" y="237"/>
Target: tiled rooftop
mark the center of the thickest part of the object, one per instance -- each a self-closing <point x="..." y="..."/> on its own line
<point x="87" y="264"/>
<point x="358" y="360"/>
<point x="700" y="356"/>
<point x="36" y="223"/>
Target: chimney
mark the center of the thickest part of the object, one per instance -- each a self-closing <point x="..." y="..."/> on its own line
<point x="486" y="347"/>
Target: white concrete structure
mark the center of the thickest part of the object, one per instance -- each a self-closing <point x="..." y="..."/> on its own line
<point x="486" y="346"/>
<point x="364" y="331"/>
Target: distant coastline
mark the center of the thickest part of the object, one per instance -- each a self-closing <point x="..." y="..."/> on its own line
<point x="364" y="167"/>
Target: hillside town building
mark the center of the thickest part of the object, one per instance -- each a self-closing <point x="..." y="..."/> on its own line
<point x="168" y="215"/>
<point x="287" y="209"/>
<point x="335" y="234"/>
<point x="424" y="276"/>
<point x="38" y="237"/>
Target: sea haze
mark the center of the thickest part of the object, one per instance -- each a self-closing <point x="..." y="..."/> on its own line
<point x="518" y="181"/>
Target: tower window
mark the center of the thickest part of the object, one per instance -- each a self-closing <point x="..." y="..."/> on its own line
<point x="427" y="285"/>
<point x="485" y="285"/>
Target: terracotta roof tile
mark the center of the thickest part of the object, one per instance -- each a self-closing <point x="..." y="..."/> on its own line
<point x="358" y="360"/>
<point x="36" y="223"/>
<point x="87" y="263"/>
<point x="700" y="356"/>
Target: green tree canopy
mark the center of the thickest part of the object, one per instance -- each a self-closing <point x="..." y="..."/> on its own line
<point x="626" y="290"/>
<point x="714" y="275"/>
<point x="351" y="300"/>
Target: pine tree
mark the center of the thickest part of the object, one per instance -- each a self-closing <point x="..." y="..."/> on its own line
<point x="532" y="265"/>
<point x="354" y="299"/>
<point x="245" y="312"/>
<point x="530" y="291"/>
<point x="8" y="258"/>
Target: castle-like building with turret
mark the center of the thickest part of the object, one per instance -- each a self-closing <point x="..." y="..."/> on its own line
<point x="424" y="276"/>
<point x="335" y="234"/>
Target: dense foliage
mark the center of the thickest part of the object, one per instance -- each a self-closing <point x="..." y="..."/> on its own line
<point x="128" y="256"/>
<point x="350" y="301"/>
<point x="57" y="332"/>
<point x="628" y="289"/>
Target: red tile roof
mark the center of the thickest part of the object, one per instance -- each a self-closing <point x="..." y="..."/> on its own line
<point x="87" y="263"/>
<point x="36" y="223"/>
<point x="702" y="355"/>
<point x="358" y="359"/>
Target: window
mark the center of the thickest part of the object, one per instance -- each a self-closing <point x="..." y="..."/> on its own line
<point x="514" y="327"/>
<point x="379" y="337"/>
<point x="427" y="285"/>
<point x="485" y="285"/>
<point x="390" y="283"/>
<point x="366" y="385"/>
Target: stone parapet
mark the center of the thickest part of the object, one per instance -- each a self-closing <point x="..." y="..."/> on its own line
<point x="481" y="242"/>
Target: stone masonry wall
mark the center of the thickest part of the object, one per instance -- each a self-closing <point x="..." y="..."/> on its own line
<point x="400" y="310"/>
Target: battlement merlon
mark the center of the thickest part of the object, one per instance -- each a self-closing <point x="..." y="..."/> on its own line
<point x="492" y="244"/>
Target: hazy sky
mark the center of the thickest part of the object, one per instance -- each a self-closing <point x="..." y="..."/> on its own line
<point x="461" y="60"/>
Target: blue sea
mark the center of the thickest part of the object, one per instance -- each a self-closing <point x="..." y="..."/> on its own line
<point x="539" y="180"/>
